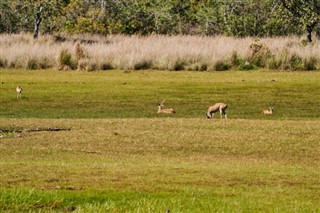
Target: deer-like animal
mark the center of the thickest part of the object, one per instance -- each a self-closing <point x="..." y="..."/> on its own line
<point x="221" y="107"/>
<point x="267" y="111"/>
<point x="19" y="91"/>
<point x="165" y="111"/>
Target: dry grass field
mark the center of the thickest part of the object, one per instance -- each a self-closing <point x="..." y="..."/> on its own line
<point x="114" y="153"/>
<point x="197" y="53"/>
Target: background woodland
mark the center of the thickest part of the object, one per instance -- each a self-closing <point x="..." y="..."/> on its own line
<point x="171" y="17"/>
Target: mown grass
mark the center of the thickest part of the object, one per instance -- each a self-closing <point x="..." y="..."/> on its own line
<point x="115" y="94"/>
<point x="121" y="156"/>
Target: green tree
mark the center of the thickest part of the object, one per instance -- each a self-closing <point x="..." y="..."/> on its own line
<point x="308" y="11"/>
<point x="32" y="14"/>
<point x="8" y="19"/>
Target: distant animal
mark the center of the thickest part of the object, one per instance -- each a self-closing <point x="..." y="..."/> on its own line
<point x="165" y="111"/>
<point x="267" y="111"/>
<point x="19" y="91"/>
<point x="221" y="107"/>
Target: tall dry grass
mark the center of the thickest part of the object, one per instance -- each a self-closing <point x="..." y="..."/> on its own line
<point x="199" y="53"/>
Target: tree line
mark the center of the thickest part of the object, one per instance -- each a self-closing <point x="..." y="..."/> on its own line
<point x="259" y="18"/>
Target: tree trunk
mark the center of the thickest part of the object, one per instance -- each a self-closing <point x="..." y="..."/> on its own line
<point x="310" y="28"/>
<point x="37" y="23"/>
<point x="318" y="33"/>
<point x="309" y="33"/>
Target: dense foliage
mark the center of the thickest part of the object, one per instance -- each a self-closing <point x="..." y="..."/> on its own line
<point x="201" y="17"/>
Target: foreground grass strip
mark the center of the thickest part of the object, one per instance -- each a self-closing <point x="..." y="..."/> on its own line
<point x="152" y="164"/>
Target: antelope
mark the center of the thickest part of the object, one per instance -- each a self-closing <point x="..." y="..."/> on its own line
<point x="19" y="91"/>
<point x="165" y="111"/>
<point x="221" y="107"/>
<point x="267" y="111"/>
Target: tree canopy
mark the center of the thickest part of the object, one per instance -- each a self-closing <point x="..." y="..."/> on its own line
<point x="201" y="17"/>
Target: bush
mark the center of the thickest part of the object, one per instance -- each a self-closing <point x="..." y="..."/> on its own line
<point x="310" y="64"/>
<point x="106" y="66"/>
<point x="235" y="60"/>
<point x="32" y="64"/>
<point x="273" y="64"/>
<point x="259" y="54"/>
<point x="295" y="62"/>
<point x="143" y="65"/>
<point x="80" y="52"/>
<point x="88" y="65"/>
<point x="65" y="59"/>
<point x="44" y="63"/>
<point x="179" y="65"/>
<point x="3" y="62"/>
<point x="221" y="66"/>
<point x="246" y="66"/>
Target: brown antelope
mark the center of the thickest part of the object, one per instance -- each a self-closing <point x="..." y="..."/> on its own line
<point x="267" y="111"/>
<point x="165" y="111"/>
<point x="221" y="107"/>
<point x="19" y="91"/>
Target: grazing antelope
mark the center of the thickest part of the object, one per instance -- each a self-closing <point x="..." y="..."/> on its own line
<point x="165" y="111"/>
<point x="221" y="107"/>
<point x="267" y="111"/>
<point x="19" y="91"/>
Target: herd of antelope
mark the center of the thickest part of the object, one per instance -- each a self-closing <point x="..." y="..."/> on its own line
<point x="217" y="107"/>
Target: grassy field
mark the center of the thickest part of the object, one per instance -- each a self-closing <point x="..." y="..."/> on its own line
<point x="114" y="153"/>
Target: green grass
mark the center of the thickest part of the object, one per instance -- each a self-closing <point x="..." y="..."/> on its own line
<point x="114" y="94"/>
<point x="130" y="159"/>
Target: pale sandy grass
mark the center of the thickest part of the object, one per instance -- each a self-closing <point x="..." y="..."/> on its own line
<point x="160" y="52"/>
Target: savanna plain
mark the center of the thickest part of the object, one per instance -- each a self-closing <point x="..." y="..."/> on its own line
<point x="114" y="153"/>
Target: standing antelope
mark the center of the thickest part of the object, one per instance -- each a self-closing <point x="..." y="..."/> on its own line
<point x="221" y="107"/>
<point x="267" y="111"/>
<point x="19" y="91"/>
<point x="165" y="111"/>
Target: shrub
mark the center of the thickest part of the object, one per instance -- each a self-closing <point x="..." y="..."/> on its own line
<point x="143" y="65"/>
<point x="3" y="62"/>
<point x="80" y="51"/>
<point x="259" y="54"/>
<point x="221" y="66"/>
<point x="92" y="66"/>
<point x="179" y="65"/>
<point x="272" y="63"/>
<point x="106" y="66"/>
<point x="235" y="60"/>
<point x="88" y="65"/>
<point x="65" y="59"/>
<point x="197" y="66"/>
<point x="310" y="63"/>
<point x="44" y="63"/>
<point x="32" y="64"/>
<point x="82" y="64"/>
<point x="246" y="66"/>
<point x="295" y="62"/>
